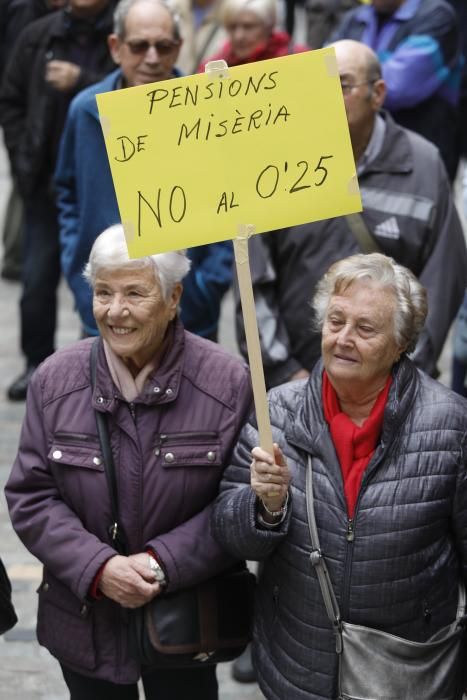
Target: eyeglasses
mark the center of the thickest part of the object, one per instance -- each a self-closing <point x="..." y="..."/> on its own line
<point x="164" y="47"/>
<point x="347" y="88"/>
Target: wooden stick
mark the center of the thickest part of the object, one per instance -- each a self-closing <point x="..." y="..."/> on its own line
<point x="252" y="338"/>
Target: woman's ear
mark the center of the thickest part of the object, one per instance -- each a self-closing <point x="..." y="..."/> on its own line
<point x="175" y="299"/>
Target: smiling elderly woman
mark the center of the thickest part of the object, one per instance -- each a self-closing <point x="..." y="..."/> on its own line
<point x="386" y="445"/>
<point x="174" y="404"/>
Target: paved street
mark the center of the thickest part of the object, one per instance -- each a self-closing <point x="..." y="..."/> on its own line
<point x="26" y="670"/>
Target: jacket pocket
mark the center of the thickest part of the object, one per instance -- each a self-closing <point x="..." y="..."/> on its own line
<point x="65" y="625"/>
<point x="76" y="450"/>
<point x="78" y="471"/>
<point x="197" y="449"/>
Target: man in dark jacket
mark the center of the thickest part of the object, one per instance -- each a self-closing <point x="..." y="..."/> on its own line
<point x="86" y="196"/>
<point x="54" y="58"/>
<point x="418" y="44"/>
<point x="408" y="213"/>
<point x="15" y="15"/>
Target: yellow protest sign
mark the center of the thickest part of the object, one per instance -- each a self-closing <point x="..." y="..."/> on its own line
<point x="192" y="158"/>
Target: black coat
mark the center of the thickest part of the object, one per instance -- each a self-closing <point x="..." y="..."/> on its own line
<point x="32" y="113"/>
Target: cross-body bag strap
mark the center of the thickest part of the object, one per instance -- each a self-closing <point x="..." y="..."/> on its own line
<point x="318" y="562"/>
<point x="362" y="234"/>
<point x="115" y="530"/>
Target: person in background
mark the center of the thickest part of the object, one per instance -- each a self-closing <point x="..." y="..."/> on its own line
<point x="387" y="447"/>
<point x="322" y="17"/>
<point x="15" y="15"/>
<point x="418" y="44"/>
<point x="250" y="26"/>
<point x="202" y="31"/>
<point x="408" y="213"/>
<point x="54" y="57"/>
<point x="174" y="404"/>
<point x="145" y="45"/>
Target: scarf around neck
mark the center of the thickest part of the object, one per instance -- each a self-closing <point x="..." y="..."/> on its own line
<point x="354" y="444"/>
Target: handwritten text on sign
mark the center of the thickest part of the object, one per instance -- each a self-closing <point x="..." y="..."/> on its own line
<point x="192" y="158"/>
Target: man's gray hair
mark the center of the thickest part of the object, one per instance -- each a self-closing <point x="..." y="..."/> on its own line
<point x="410" y="296"/>
<point x="110" y="252"/>
<point x="123" y="7"/>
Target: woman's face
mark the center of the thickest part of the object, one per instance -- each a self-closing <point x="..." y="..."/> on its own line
<point x="247" y="32"/>
<point x="358" y="345"/>
<point x="131" y="313"/>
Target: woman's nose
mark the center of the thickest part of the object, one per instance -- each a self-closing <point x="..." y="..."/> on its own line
<point x="345" y="335"/>
<point x="116" y="306"/>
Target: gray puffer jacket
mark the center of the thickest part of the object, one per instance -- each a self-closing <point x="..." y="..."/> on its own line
<point x="399" y="568"/>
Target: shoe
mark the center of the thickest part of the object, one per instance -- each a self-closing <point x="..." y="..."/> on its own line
<point x="18" y="390"/>
<point x="242" y="668"/>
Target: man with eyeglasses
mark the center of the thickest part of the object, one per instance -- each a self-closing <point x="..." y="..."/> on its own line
<point x="145" y="44"/>
<point x="408" y="214"/>
<point x="418" y="44"/>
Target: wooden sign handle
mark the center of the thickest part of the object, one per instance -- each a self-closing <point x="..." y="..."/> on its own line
<point x="252" y="337"/>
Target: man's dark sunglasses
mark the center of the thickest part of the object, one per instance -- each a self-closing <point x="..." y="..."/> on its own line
<point x="141" y="46"/>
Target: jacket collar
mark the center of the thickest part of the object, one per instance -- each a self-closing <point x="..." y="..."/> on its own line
<point x="308" y="430"/>
<point x="63" y="20"/>
<point x="396" y="154"/>
<point x="162" y="385"/>
<point x="406" y="11"/>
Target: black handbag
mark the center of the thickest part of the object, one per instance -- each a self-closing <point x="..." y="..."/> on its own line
<point x="201" y="625"/>
<point x="8" y="618"/>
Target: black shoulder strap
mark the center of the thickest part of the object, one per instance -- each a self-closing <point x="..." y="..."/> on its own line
<point x="115" y="530"/>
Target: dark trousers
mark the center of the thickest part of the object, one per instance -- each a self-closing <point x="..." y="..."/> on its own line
<point x="41" y="274"/>
<point x="173" y="684"/>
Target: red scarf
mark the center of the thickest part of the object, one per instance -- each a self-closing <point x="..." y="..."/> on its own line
<point x="278" y="44"/>
<point x="354" y="444"/>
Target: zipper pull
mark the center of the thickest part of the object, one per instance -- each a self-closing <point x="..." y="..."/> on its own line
<point x="350" y="536"/>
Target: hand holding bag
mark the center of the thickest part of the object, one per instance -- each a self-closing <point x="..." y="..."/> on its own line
<point x="201" y="625"/>
<point x="375" y="665"/>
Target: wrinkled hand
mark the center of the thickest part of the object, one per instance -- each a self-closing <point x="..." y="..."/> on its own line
<point x="129" y="581"/>
<point x="299" y="374"/>
<point x="62" y="75"/>
<point x="270" y="477"/>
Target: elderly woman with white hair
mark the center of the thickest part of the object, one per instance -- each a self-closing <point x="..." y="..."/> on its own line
<point x="251" y="28"/>
<point x="386" y="447"/>
<point x="174" y="405"/>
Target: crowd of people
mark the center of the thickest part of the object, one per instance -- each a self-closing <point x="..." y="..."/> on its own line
<point x="353" y="314"/>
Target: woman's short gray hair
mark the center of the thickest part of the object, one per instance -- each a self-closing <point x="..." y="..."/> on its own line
<point x="411" y="300"/>
<point x="110" y="252"/>
<point x="266" y="10"/>
<point x="123" y="7"/>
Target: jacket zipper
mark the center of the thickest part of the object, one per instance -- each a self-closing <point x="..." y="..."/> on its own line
<point x="350" y="537"/>
<point x="73" y="437"/>
<point x="173" y="437"/>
